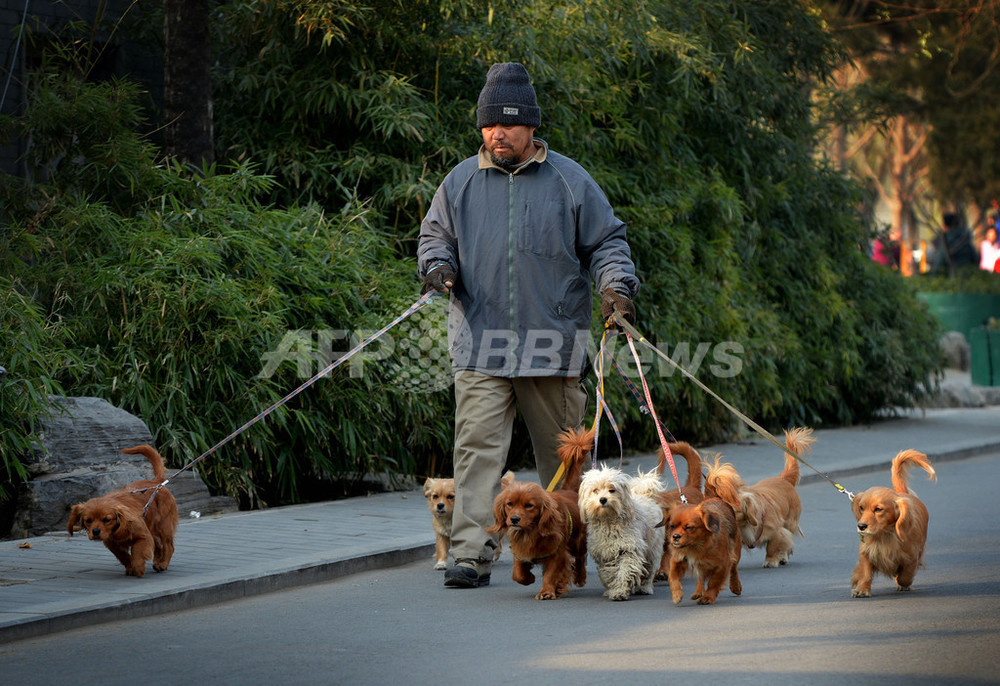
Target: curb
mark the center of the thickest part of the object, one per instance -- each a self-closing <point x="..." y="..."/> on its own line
<point x="212" y="594"/>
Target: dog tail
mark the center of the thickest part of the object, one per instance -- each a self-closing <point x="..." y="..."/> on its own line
<point x="901" y="465"/>
<point x="692" y="458"/>
<point x="724" y="482"/>
<point x="799" y="440"/>
<point x="159" y="473"/>
<point x="574" y="446"/>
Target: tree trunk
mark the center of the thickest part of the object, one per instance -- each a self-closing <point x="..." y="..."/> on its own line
<point x="187" y="84"/>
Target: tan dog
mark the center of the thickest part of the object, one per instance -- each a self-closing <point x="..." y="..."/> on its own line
<point x="768" y="512"/>
<point x="440" y="494"/>
<point x="691" y="490"/>
<point x="893" y="528"/>
<point x="706" y="537"/>
<point x="117" y="519"/>
<point x="545" y="527"/>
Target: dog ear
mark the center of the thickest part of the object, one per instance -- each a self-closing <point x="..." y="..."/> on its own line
<point x="128" y="520"/>
<point x="902" y="510"/>
<point x="748" y="503"/>
<point x="74" y="517"/>
<point x="499" y="514"/>
<point x="552" y="517"/>
<point x="711" y="521"/>
<point x="428" y="485"/>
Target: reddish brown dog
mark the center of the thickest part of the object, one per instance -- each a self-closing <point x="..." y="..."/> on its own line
<point x="545" y="527"/>
<point x="117" y="520"/>
<point x="893" y="528"/>
<point x="706" y="537"/>
<point x="691" y="490"/>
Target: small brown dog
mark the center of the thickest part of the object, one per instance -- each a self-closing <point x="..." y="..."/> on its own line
<point x="706" y="537"/>
<point x="117" y="519"/>
<point x="440" y="494"/>
<point x="893" y="528"/>
<point x="691" y="490"/>
<point x="768" y="512"/>
<point x="545" y="527"/>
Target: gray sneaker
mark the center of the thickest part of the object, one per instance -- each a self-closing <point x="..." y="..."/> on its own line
<point x="468" y="573"/>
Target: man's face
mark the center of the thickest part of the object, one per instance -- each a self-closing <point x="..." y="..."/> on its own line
<point x="509" y="145"/>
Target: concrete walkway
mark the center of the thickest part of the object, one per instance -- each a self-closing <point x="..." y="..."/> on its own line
<point x="56" y="582"/>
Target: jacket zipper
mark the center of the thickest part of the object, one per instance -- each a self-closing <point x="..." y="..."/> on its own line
<point x="511" y="286"/>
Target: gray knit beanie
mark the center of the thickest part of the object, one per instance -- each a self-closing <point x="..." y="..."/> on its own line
<point x="507" y="98"/>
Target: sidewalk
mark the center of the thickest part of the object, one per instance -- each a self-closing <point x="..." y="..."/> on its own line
<point x="56" y="582"/>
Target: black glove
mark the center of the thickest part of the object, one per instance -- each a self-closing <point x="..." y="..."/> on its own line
<point x="614" y="302"/>
<point x="438" y="277"/>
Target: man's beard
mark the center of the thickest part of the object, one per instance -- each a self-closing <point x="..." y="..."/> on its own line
<point x="505" y="163"/>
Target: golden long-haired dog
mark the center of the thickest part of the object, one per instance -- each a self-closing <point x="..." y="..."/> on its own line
<point x="545" y="528"/>
<point x="117" y="520"/>
<point x="440" y="494"/>
<point x="706" y="537"/>
<point x="768" y="511"/>
<point x="624" y="529"/>
<point x="892" y="524"/>
<point x="691" y="490"/>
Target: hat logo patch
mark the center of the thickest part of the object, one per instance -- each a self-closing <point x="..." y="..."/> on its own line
<point x="510" y="110"/>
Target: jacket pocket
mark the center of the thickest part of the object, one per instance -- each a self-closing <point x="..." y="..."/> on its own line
<point x="542" y="231"/>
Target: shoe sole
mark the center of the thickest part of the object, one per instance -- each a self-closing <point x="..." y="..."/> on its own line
<point x="467" y="583"/>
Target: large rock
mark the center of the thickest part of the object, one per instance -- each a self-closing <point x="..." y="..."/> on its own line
<point x="80" y="457"/>
<point x="956" y="350"/>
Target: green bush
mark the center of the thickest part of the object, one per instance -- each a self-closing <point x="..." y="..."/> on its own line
<point x="174" y="295"/>
<point x="966" y="280"/>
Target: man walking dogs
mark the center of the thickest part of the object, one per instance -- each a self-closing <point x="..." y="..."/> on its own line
<point x="516" y="234"/>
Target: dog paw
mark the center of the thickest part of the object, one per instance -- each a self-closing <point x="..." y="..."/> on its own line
<point x="440" y="565"/>
<point x="706" y="600"/>
<point x="618" y="595"/>
<point x="860" y="593"/>
<point x="771" y="564"/>
<point x="903" y="588"/>
<point x="546" y="595"/>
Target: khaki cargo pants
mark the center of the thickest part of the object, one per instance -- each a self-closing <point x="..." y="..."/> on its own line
<point x="484" y="420"/>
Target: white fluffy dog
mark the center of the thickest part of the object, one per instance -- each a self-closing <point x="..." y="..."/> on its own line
<point x="624" y="531"/>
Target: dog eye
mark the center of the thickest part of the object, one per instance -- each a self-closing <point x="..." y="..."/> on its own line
<point x="451" y="497"/>
<point x="876" y="509"/>
<point x="611" y="490"/>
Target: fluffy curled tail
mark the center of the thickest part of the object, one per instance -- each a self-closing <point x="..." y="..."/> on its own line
<point x="692" y="458"/>
<point x="159" y="473"/>
<point x="901" y="465"/>
<point x="724" y="482"/>
<point x="574" y="446"/>
<point x="800" y="441"/>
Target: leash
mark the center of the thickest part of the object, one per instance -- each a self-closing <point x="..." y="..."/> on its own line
<point x="631" y="331"/>
<point x="602" y="406"/>
<point x="649" y="403"/>
<point x="419" y="304"/>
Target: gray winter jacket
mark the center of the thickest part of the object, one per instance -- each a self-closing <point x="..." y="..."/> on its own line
<point x="525" y="246"/>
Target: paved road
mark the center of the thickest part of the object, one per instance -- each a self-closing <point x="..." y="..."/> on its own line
<point x="792" y="625"/>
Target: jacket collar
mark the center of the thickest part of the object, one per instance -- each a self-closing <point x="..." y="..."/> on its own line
<point x="541" y="152"/>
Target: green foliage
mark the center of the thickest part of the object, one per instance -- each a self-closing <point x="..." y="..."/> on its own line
<point x="697" y="121"/>
<point x="172" y="299"/>
<point x="33" y="351"/>
<point x="341" y="119"/>
<point x="970" y="279"/>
